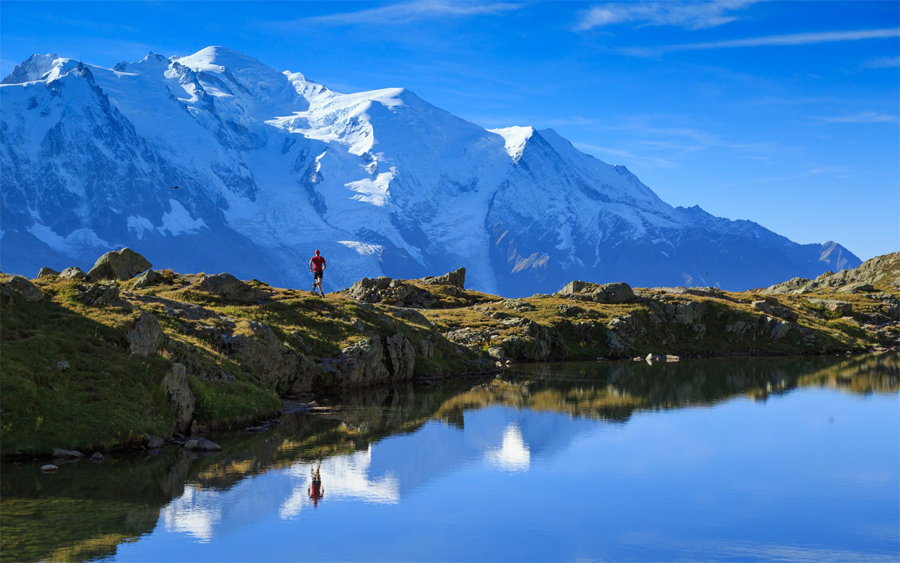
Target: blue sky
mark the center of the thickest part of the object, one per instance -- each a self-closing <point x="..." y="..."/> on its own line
<point x="785" y="113"/>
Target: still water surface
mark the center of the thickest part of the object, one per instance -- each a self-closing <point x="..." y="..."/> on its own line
<point x="712" y="460"/>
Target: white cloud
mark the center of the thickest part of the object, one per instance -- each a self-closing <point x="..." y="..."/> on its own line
<point x="882" y="62"/>
<point x="690" y="15"/>
<point x="407" y="12"/>
<point x="772" y="40"/>
<point x="861" y="117"/>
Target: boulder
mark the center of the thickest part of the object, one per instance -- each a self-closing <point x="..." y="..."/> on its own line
<point x="661" y="358"/>
<point x="74" y="273"/>
<point x="146" y="336"/>
<point x="842" y="307"/>
<point x="21" y="287"/>
<point x="154" y="442"/>
<point x="46" y="272"/>
<point x="176" y="386"/>
<point x="147" y="279"/>
<point x="49" y="468"/>
<point x="97" y="457"/>
<point x="391" y="291"/>
<point x="100" y="295"/>
<point x="456" y="278"/>
<point x="119" y="265"/>
<point x="618" y="292"/>
<point x="373" y="360"/>
<point x="227" y="286"/>
<point x="858" y="287"/>
<point x="61" y="453"/>
<point x="260" y="352"/>
<point x="202" y="445"/>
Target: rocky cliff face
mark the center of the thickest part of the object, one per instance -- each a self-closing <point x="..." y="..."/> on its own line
<point x="217" y="162"/>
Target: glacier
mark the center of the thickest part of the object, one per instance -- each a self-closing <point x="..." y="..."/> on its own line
<point x="217" y="162"/>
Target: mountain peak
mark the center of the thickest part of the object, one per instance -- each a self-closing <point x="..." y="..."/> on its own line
<point x="35" y="67"/>
<point x="515" y="138"/>
<point x="218" y="59"/>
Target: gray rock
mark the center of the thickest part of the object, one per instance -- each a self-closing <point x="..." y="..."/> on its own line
<point x="227" y="286"/>
<point x="154" y="442"/>
<point x="97" y="457"/>
<point x="374" y="360"/>
<point x="842" y="307"/>
<point x="147" y="279"/>
<point x="456" y="278"/>
<point x="46" y="272"/>
<point x="119" y="265"/>
<point x="61" y="365"/>
<point x="202" y="445"/>
<point x="496" y="352"/>
<point x="858" y="287"/>
<point x="146" y="336"/>
<point x="49" y="468"/>
<point x="21" y="287"/>
<point x="301" y="343"/>
<point x="73" y="274"/>
<point x="61" y="453"/>
<point x="618" y="292"/>
<point x="100" y="295"/>
<point x="259" y="351"/>
<point x="176" y="386"/>
<point x="661" y="358"/>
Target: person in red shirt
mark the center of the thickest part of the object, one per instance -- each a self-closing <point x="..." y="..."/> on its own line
<point x="317" y="267"/>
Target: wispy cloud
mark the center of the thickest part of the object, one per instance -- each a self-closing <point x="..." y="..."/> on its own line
<point x="628" y="156"/>
<point x="841" y="172"/>
<point x="882" y="62"/>
<point x="860" y="117"/>
<point x="690" y="15"/>
<point x="405" y="12"/>
<point x="771" y="40"/>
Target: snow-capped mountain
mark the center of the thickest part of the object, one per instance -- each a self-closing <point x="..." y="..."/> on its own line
<point x="270" y="166"/>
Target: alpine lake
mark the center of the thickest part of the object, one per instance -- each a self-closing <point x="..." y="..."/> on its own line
<point x="739" y="459"/>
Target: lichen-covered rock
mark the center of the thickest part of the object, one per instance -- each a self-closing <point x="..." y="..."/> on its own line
<point x="391" y="291"/>
<point x="147" y="279"/>
<point x="260" y="352"/>
<point x="119" y="265"/>
<point x="373" y="360"/>
<point x="227" y="286"/>
<point x="100" y="295"/>
<point x="176" y="386"/>
<point x="618" y="292"/>
<point x="73" y="273"/>
<point x="46" y="272"/>
<point x="19" y="286"/>
<point x="842" y="307"/>
<point x="60" y="453"/>
<point x="146" y="336"/>
<point x="621" y="333"/>
<point x="457" y="278"/>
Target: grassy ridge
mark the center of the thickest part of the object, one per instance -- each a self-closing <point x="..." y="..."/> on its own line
<point x="69" y="379"/>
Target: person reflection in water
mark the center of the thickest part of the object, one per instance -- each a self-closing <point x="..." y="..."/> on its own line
<point x="315" y="491"/>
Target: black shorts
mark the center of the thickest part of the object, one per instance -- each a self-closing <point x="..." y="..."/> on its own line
<point x="318" y="276"/>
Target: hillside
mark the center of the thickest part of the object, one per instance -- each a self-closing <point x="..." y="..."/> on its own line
<point x="101" y="359"/>
<point x="218" y="162"/>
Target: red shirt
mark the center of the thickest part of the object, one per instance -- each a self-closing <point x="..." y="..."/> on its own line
<point x="318" y="263"/>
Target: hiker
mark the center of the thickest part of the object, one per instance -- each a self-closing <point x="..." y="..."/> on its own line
<point x="317" y="267"/>
<point x="315" y="490"/>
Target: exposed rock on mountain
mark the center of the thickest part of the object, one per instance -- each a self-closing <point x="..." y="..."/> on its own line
<point x="270" y="165"/>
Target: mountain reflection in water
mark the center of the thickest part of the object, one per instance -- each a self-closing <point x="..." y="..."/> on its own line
<point x="379" y="448"/>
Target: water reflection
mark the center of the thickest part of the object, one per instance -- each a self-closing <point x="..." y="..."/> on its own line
<point x="383" y="447"/>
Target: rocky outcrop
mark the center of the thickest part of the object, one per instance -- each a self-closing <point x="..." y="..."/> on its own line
<point x="74" y="273"/>
<point x="841" y="307"/>
<point x="147" y="279"/>
<point x="18" y="286"/>
<point x="393" y="292"/>
<point x="47" y="272"/>
<point x="229" y="287"/>
<point x="119" y="265"/>
<point x="881" y="270"/>
<point x="598" y="293"/>
<point x="457" y="278"/>
<point x="260" y="352"/>
<point x="146" y="336"/>
<point x="372" y="361"/>
<point x="202" y="445"/>
<point x="100" y="295"/>
<point x="176" y="386"/>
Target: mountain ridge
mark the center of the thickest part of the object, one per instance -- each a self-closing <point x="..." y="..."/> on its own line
<point x="271" y="165"/>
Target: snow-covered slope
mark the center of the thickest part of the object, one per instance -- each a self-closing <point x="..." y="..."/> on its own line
<point x="270" y="166"/>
